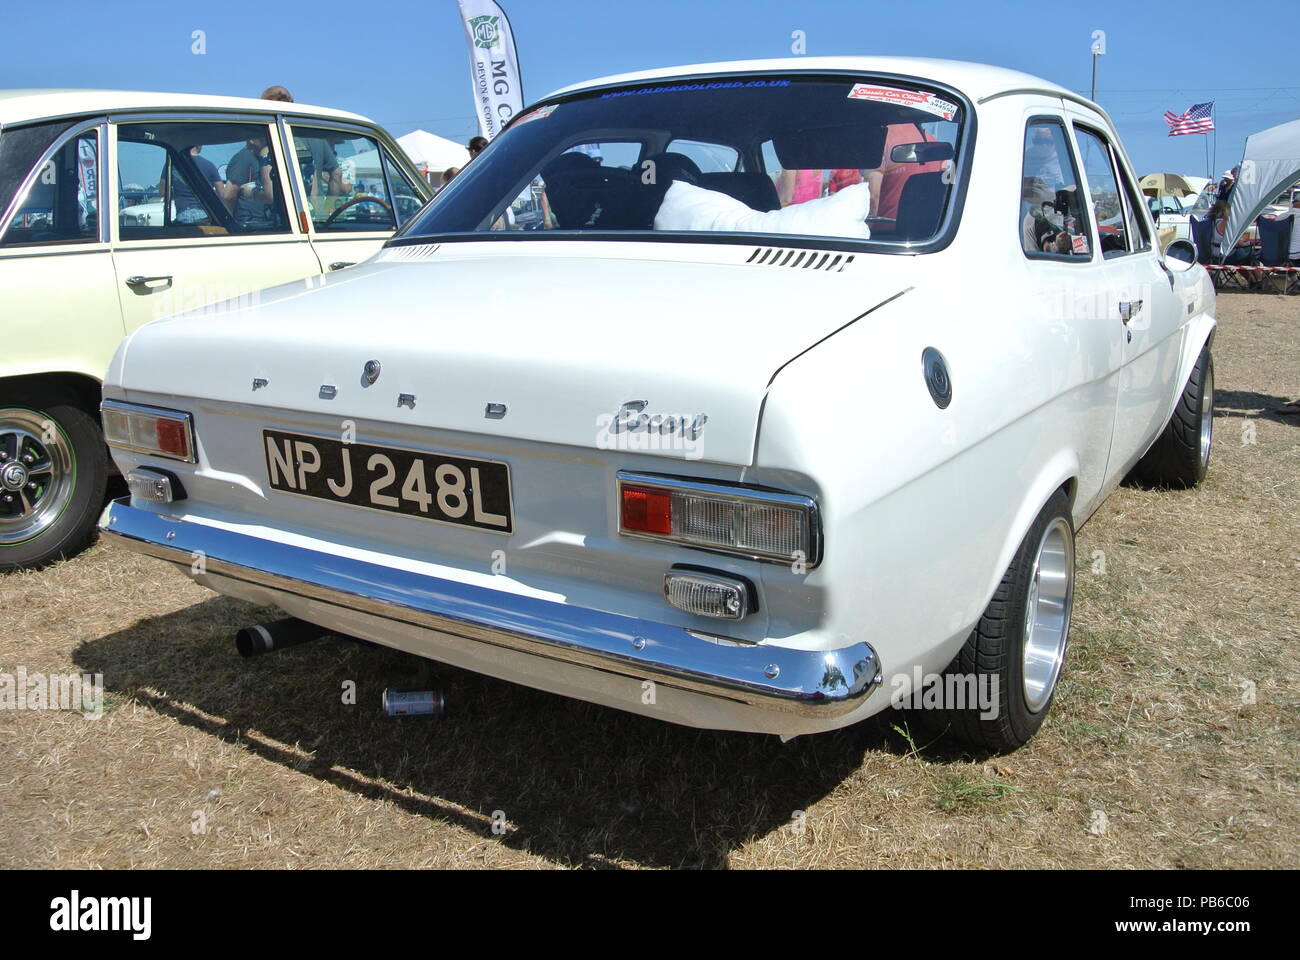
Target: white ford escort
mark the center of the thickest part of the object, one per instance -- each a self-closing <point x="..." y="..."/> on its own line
<point x="745" y="396"/>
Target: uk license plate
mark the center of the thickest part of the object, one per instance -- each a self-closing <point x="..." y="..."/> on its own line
<point x="463" y="491"/>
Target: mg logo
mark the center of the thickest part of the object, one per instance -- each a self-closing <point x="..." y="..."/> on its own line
<point x="486" y="31"/>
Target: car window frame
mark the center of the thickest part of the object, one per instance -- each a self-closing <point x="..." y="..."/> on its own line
<point x="293" y="232"/>
<point x="75" y="129"/>
<point x="1077" y="162"/>
<point x="381" y="143"/>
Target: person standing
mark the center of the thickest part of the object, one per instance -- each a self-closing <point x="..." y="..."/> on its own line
<point x="1219" y="217"/>
<point x="888" y="180"/>
<point x="799" y="186"/>
<point x="252" y="172"/>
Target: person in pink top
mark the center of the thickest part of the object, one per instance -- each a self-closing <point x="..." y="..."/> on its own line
<point x="799" y="186"/>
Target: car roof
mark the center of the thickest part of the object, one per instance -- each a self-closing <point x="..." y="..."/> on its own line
<point x="20" y="106"/>
<point x="977" y="80"/>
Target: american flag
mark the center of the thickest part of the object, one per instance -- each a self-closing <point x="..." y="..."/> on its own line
<point x="1199" y="118"/>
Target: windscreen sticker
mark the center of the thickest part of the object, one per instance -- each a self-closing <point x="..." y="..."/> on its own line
<point x="1079" y="242"/>
<point x="541" y="113"/>
<point x="703" y="85"/>
<point x="917" y="99"/>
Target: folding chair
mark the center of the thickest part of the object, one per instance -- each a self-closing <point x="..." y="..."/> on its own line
<point x="1275" y="251"/>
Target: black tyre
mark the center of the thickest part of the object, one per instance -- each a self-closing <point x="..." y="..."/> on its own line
<point x="1017" y="650"/>
<point x="53" y="471"/>
<point x="1181" y="455"/>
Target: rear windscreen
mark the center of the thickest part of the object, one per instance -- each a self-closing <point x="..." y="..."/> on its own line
<point x="847" y="157"/>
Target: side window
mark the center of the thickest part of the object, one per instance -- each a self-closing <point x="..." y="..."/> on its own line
<point x="621" y="154"/>
<point x="196" y="179"/>
<point x="406" y="199"/>
<point x="709" y="157"/>
<point x="62" y="205"/>
<point x="1113" y="221"/>
<point x="343" y="174"/>
<point x="1052" y="218"/>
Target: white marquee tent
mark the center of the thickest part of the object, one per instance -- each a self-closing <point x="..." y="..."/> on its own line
<point x="430" y="152"/>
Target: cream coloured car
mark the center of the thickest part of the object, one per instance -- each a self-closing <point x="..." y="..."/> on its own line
<point x="119" y="207"/>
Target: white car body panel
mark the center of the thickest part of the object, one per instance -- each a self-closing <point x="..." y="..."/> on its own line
<point x="922" y="508"/>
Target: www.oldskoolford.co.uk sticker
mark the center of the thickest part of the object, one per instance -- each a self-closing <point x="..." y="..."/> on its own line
<point x="918" y="99"/>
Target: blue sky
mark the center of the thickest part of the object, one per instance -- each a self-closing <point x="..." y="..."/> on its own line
<point x="405" y="63"/>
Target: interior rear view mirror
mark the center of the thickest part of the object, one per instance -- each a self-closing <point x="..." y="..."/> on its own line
<point x="921" y="152"/>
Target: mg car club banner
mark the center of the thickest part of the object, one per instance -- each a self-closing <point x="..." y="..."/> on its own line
<point x="494" y="64"/>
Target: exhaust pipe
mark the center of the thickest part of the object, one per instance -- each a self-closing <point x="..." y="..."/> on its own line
<point x="279" y="635"/>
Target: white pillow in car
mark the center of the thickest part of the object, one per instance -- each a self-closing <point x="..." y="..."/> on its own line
<point x="687" y="207"/>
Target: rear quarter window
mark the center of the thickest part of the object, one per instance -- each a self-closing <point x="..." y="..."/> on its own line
<point x="20" y="149"/>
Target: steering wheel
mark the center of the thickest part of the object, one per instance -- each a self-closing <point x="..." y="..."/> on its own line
<point x="354" y="201"/>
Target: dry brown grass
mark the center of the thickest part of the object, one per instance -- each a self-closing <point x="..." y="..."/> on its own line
<point x="1197" y="600"/>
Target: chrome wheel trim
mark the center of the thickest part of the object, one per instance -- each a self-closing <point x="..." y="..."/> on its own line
<point x="1047" y="614"/>
<point x="1207" y="416"/>
<point x="36" y="478"/>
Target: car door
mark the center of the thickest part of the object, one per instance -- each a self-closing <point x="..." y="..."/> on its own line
<point x="57" y="288"/>
<point x="355" y="187"/>
<point x="1147" y="316"/>
<point x="1071" y="286"/>
<point x="200" y="215"/>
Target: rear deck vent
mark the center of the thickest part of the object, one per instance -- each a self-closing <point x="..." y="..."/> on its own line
<point x="419" y="251"/>
<point x="801" y="259"/>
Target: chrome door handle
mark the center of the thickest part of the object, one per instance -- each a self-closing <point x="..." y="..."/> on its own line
<point x="138" y="281"/>
<point x="1128" y="309"/>
<point x="340" y="264"/>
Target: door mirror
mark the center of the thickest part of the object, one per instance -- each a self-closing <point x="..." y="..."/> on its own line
<point x="1180" y="256"/>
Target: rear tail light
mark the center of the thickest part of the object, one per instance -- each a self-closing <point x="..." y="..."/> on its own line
<point x="753" y="523"/>
<point x="162" y="433"/>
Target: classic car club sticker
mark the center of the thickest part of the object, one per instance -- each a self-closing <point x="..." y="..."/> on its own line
<point x="541" y="113"/>
<point x="917" y="99"/>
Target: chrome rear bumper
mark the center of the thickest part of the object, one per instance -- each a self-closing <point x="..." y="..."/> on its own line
<point x="820" y="685"/>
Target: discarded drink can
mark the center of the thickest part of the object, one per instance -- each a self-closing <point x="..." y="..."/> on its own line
<point x="411" y="703"/>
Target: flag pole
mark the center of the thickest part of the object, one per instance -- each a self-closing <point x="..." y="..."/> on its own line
<point x="1215" y="165"/>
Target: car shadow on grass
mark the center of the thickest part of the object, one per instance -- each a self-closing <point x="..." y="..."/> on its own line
<point x="578" y="784"/>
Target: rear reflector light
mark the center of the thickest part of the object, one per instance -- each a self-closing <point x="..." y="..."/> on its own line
<point x="753" y="523"/>
<point x="163" y="433"/>
<point x="707" y="594"/>
<point x="151" y="485"/>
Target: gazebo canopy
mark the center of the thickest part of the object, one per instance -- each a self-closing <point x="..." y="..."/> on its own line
<point x="1270" y="164"/>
